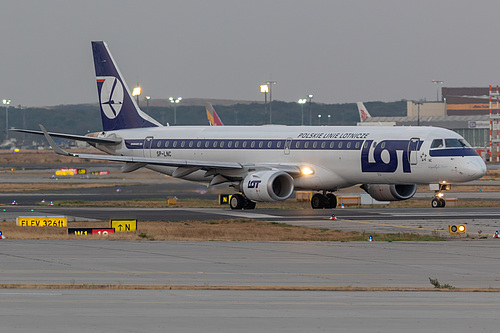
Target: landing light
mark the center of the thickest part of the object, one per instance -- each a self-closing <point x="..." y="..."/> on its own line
<point x="440" y="195"/>
<point x="306" y="171"/>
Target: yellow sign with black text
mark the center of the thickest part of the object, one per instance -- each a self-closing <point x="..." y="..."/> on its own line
<point x="42" y="221"/>
<point x="124" y="225"/>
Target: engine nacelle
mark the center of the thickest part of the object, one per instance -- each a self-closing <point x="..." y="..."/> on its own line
<point x="267" y="186"/>
<point x="386" y="192"/>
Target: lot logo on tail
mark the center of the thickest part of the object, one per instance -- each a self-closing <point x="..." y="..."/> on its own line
<point x="111" y="95"/>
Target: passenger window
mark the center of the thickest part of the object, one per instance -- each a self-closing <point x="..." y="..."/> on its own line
<point x="215" y="144"/>
<point x="306" y="144"/>
<point x="190" y="144"/>
<point x="174" y="144"/>
<point x="357" y="145"/>
<point x="198" y="144"/>
<point x="166" y="143"/>
<point x="244" y="144"/>
<point x="261" y="143"/>
<point x="332" y="144"/>
<point x="207" y="143"/>
<point x="349" y="145"/>
<point x="297" y="144"/>
<point x="437" y="143"/>
<point x="158" y="144"/>
<point x="229" y="144"/>
<point x="315" y="144"/>
<point x="278" y="144"/>
<point x="252" y="145"/>
<point x="236" y="144"/>
<point x="182" y="144"/>
<point x="221" y="144"/>
<point x="340" y="144"/>
<point x="323" y="144"/>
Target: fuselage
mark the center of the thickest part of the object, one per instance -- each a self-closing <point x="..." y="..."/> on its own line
<point x="340" y="156"/>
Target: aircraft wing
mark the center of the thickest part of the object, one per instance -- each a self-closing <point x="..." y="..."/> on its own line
<point x="143" y="160"/>
<point x="71" y="136"/>
<point x="185" y="167"/>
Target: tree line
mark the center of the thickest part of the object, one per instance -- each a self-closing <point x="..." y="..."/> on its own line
<point x="85" y="118"/>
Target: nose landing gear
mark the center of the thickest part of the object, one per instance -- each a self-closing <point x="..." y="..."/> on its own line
<point x="438" y="200"/>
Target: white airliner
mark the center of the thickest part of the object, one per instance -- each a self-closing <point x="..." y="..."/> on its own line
<point x="267" y="163"/>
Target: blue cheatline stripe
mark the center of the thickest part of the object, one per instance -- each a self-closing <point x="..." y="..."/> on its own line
<point x="229" y="144"/>
<point x="452" y="152"/>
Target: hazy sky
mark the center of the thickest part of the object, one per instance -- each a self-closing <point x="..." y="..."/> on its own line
<point x="340" y="51"/>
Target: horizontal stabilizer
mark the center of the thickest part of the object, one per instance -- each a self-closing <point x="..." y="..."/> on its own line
<point x="71" y="136"/>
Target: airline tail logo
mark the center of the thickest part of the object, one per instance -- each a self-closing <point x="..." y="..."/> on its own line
<point x="363" y="114"/>
<point x="111" y="95"/>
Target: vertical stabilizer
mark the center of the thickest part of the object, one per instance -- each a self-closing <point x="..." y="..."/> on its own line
<point x="213" y="117"/>
<point x="363" y="113"/>
<point x="118" y="108"/>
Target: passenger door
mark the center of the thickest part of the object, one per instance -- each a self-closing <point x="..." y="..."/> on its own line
<point x="412" y="150"/>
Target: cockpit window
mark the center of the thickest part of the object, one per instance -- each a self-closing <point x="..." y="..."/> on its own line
<point x="437" y="143"/>
<point x="456" y="143"/>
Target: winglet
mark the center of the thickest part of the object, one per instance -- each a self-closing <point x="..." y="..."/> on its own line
<point x="53" y="144"/>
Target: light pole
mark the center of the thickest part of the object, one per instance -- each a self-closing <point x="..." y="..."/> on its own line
<point x="310" y="96"/>
<point x="264" y="88"/>
<point x="148" y="98"/>
<point x="319" y="120"/>
<point x="270" y="85"/>
<point x="418" y="112"/>
<point x="175" y="102"/>
<point x="437" y="82"/>
<point x="6" y="102"/>
<point x="302" y="101"/>
<point x="137" y="92"/>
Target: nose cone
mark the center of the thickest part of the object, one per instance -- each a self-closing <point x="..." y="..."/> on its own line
<point x="476" y="168"/>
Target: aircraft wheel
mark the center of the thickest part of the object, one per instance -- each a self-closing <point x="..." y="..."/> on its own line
<point x="332" y="200"/>
<point x="249" y="204"/>
<point x="318" y="201"/>
<point x="237" y="201"/>
<point x="443" y="202"/>
<point x="435" y="203"/>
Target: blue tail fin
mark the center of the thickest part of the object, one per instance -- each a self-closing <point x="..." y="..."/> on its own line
<point x="118" y="108"/>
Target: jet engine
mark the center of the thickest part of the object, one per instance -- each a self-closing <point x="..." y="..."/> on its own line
<point x="386" y="192"/>
<point x="267" y="186"/>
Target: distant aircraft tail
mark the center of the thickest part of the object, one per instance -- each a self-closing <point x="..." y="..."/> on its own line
<point x="118" y="108"/>
<point x="363" y="113"/>
<point x="212" y="116"/>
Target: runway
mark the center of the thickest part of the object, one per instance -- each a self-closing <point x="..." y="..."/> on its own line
<point x="460" y="264"/>
<point x="79" y="311"/>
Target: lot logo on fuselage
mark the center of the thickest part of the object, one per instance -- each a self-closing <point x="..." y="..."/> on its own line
<point x="111" y="95"/>
<point x="383" y="157"/>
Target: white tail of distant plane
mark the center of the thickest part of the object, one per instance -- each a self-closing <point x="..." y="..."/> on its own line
<point x="269" y="163"/>
<point x="363" y="113"/>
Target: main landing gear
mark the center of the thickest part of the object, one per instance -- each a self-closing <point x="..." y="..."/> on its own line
<point x="438" y="200"/>
<point x="240" y="202"/>
<point x="319" y="201"/>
